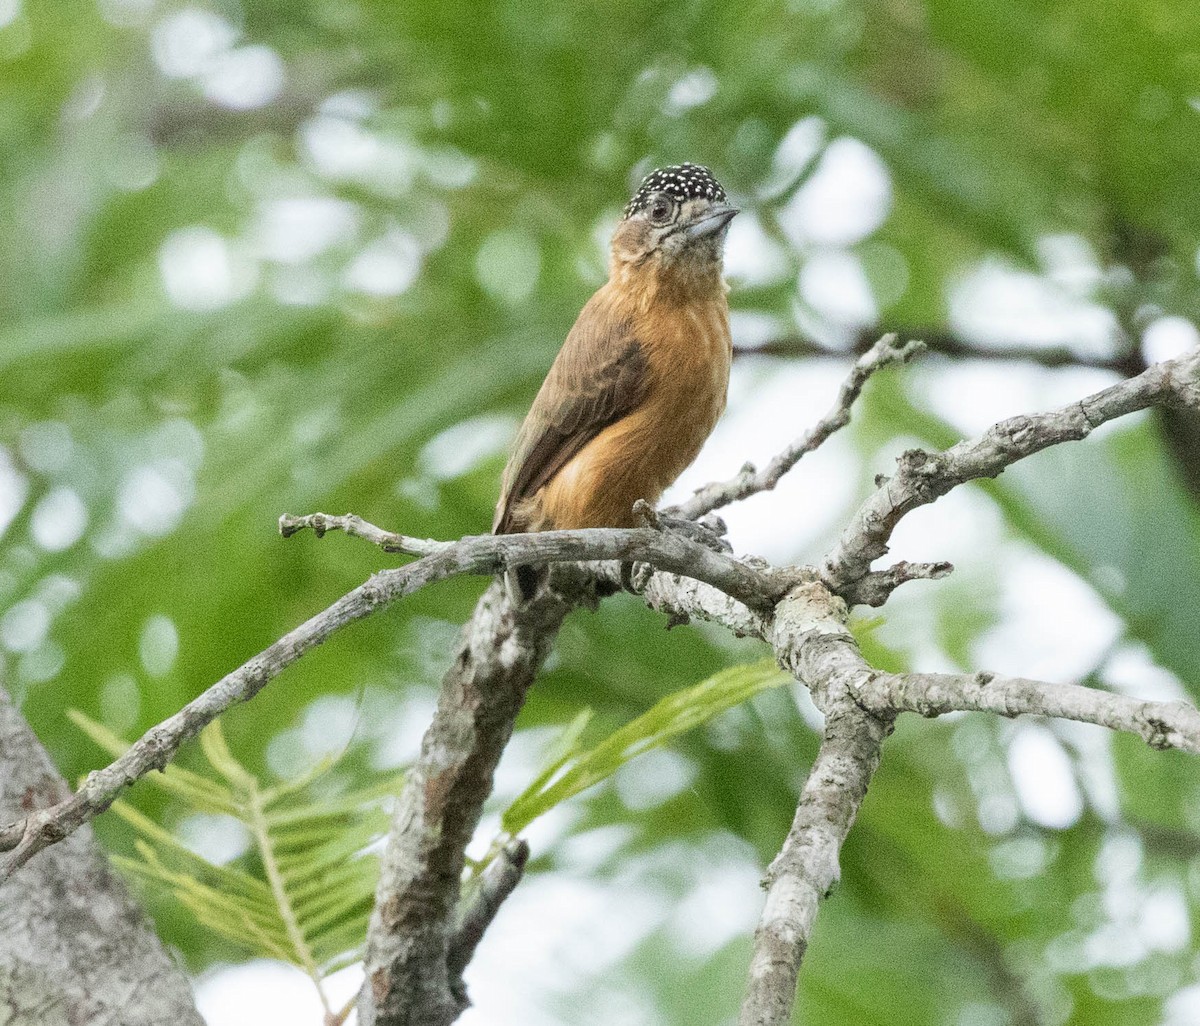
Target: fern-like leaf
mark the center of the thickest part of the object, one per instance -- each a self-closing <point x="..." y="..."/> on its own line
<point x="305" y="892"/>
<point x="572" y="770"/>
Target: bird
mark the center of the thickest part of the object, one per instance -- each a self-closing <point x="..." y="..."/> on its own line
<point x="643" y="375"/>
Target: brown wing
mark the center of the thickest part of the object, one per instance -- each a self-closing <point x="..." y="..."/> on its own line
<point x="598" y="378"/>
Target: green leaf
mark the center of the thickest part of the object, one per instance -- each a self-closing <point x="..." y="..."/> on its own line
<point x="203" y="794"/>
<point x="307" y="894"/>
<point x="574" y="771"/>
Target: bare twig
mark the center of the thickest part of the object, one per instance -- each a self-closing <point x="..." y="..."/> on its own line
<point x="922" y="477"/>
<point x="355" y="526"/>
<point x="1159" y="724"/>
<point x="669" y="593"/>
<point x="754" y="583"/>
<point x="159" y="744"/>
<point x="750" y="481"/>
<point x="342" y="1014"/>
<point x="498" y="881"/>
<point x="875" y="588"/>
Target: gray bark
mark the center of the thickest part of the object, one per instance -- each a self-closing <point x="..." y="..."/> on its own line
<point x="75" y="949"/>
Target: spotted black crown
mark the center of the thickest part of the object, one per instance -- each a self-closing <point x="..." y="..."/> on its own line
<point x="683" y="181"/>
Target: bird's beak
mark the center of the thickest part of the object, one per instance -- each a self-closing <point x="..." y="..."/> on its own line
<point x="713" y="220"/>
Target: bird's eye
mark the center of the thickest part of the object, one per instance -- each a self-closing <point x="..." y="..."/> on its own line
<point x="660" y="210"/>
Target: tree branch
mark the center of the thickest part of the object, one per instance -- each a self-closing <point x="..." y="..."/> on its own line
<point x="498" y="881"/>
<point x="356" y="527"/>
<point x="811" y="639"/>
<point x="922" y="477"/>
<point x="412" y="973"/>
<point x="876" y="587"/>
<point x="1159" y="724"/>
<point x="1126" y="361"/>
<point x="749" y="481"/>
<point x="74" y="947"/>
<point x="417" y="945"/>
<point x="1180" y="428"/>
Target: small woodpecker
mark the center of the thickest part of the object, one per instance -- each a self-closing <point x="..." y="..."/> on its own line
<point x="642" y="377"/>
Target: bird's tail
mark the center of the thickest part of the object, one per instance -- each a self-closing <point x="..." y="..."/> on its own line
<point x="523" y="582"/>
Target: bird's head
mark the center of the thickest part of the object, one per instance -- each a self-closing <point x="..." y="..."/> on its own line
<point x="675" y="222"/>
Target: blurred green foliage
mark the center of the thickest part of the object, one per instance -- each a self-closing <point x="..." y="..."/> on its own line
<point x="265" y="257"/>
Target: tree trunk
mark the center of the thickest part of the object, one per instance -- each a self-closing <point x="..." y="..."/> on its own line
<point x="75" y="950"/>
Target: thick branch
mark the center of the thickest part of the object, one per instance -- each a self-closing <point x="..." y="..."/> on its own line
<point x="922" y="477"/>
<point x="413" y="975"/>
<point x="750" y="481"/>
<point x="1159" y="724"/>
<point x="812" y="641"/>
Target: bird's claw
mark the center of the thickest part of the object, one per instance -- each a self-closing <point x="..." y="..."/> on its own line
<point x="708" y="532"/>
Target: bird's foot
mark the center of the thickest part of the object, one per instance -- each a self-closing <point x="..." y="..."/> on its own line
<point x="709" y="532"/>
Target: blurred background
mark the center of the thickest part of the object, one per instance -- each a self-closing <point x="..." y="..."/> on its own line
<point x="269" y="257"/>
